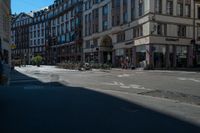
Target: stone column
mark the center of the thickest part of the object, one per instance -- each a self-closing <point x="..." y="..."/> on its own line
<point x="134" y="59"/>
<point x="190" y="56"/>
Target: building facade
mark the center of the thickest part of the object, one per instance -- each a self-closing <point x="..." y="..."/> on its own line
<point x="142" y="33"/>
<point x="153" y="33"/>
<point x="5" y="11"/>
<point x="20" y="37"/>
<point x="54" y="32"/>
<point x="37" y="34"/>
<point x="64" y="37"/>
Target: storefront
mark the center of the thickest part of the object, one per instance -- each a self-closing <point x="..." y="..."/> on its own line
<point x="140" y="55"/>
<point x="119" y="55"/>
<point x="91" y="57"/>
<point x="159" y="56"/>
<point x="198" y="55"/>
<point x="181" y="56"/>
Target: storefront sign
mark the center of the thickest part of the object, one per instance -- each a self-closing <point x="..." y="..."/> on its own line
<point x="172" y="39"/>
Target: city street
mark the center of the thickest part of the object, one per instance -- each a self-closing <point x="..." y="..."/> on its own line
<point x="49" y="99"/>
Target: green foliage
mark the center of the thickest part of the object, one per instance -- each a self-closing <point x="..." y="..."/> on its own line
<point x="37" y="60"/>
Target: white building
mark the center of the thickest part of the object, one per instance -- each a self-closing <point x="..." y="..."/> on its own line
<point x="153" y="32"/>
<point x="37" y="36"/>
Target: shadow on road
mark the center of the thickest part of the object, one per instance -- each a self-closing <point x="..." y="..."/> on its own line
<point x="35" y="107"/>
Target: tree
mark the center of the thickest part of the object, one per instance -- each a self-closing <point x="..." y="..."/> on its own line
<point x="37" y="60"/>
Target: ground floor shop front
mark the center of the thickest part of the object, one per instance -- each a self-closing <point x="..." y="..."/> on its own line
<point x="151" y="55"/>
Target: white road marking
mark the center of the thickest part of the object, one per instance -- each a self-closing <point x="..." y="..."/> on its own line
<point x="122" y="85"/>
<point x="123" y="75"/>
<point x="188" y="79"/>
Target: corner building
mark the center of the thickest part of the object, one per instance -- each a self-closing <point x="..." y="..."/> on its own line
<point x="155" y="33"/>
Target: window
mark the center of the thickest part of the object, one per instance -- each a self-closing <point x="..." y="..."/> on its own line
<point x="95" y="14"/>
<point x="105" y="10"/>
<point x="95" y="42"/>
<point x="42" y="32"/>
<point x="170" y="7"/>
<point x="105" y="17"/>
<point x="38" y="41"/>
<point x="141" y="7"/>
<point x="138" y="31"/>
<point x="198" y="31"/>
<point x="87" y="44"/>
<point x="159" y="29"/>
<point x="158" y="6"/>
<point x="132" y="9"/>
<point x="116" y="12"/>
<point x="187" y="10"/>
<point x="181" y="30"/>
<point x="86" y="24"/>
<point x="180" y="9"/>
<point x="38" y="33"/>
<point x="162" y="29"/>
<point x="198" y="12"/>
<point x="121" y="37"/>
<point x="125" y="12"/>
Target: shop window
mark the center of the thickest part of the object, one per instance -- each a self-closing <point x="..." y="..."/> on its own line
<point x="181" y="56"/>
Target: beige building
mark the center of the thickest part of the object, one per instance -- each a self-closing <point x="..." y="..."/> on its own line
<point x="5" y="31"/>
<point x="155" y="33"/>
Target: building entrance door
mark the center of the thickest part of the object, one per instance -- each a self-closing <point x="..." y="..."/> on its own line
<point x="107" y="57"/>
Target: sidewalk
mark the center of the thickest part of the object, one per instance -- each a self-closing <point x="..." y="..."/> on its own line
<point x="162" y="70"/>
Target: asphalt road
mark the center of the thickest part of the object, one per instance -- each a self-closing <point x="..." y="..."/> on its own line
<point x="53" y="100"/>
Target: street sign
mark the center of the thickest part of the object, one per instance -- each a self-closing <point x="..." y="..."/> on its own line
<point x="13" y="46"/>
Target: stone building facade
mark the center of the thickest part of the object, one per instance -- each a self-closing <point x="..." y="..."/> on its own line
<point x="154" y="33"/>
<point x="20" y="37"/>
<point x="144" y="33"/>
<point x="64" y="32"/>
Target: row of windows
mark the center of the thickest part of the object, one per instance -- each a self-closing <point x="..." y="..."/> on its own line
<point x="37" y="42"/>
<point x="39" y="33"/>
<point x="89" y="3"/>
<point x="181" y="7"/>
<point x="22" y="22"/>
<point x="162" y="30"/>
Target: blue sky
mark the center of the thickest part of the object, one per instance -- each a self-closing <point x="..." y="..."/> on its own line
<point x="29" y="5"/>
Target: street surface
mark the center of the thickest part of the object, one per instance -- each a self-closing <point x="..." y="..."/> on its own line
<point x="48" y="99"/>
